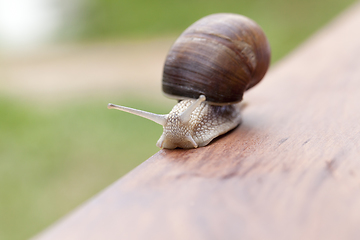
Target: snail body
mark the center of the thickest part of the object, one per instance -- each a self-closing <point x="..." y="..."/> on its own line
<point x="216" y="59"/>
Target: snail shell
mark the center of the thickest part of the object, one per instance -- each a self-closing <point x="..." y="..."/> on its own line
<point x="216" y="59"/>
<point x="219" y="56"/>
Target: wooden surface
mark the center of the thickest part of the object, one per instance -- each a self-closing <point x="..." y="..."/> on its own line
<point x="290" y="171"/>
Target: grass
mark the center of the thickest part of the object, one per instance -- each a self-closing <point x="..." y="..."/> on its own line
<point x="52" y="160"/>
<point x="286" y="23"/>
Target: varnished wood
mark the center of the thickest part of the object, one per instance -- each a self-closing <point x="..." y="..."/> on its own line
<point x="290" y="171"/>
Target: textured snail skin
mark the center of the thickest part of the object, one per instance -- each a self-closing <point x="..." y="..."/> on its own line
<point x="219" y="56"/>
<point x="191" y="123"/>
<point x="206" y="123"/>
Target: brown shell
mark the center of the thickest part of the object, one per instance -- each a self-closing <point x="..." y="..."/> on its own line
<point x="219" y="56"/>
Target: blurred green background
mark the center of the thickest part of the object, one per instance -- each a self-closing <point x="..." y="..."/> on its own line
<point x="54" y="158"/>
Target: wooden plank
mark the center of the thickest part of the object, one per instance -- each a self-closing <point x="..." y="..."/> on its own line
<point x="290" y="171"/>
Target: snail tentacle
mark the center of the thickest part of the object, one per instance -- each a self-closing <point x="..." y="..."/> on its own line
<point x="158" y="118"/>
<point x="185" y="116"/>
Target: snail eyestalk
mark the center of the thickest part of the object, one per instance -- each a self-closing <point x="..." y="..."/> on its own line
<point x="158" y="118"/>
<point x="185" y="116"/>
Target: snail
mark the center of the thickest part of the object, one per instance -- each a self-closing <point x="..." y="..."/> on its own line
<point x="208" y="69"/>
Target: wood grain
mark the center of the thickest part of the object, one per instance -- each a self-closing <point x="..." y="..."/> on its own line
<point x="290" y="171"/>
